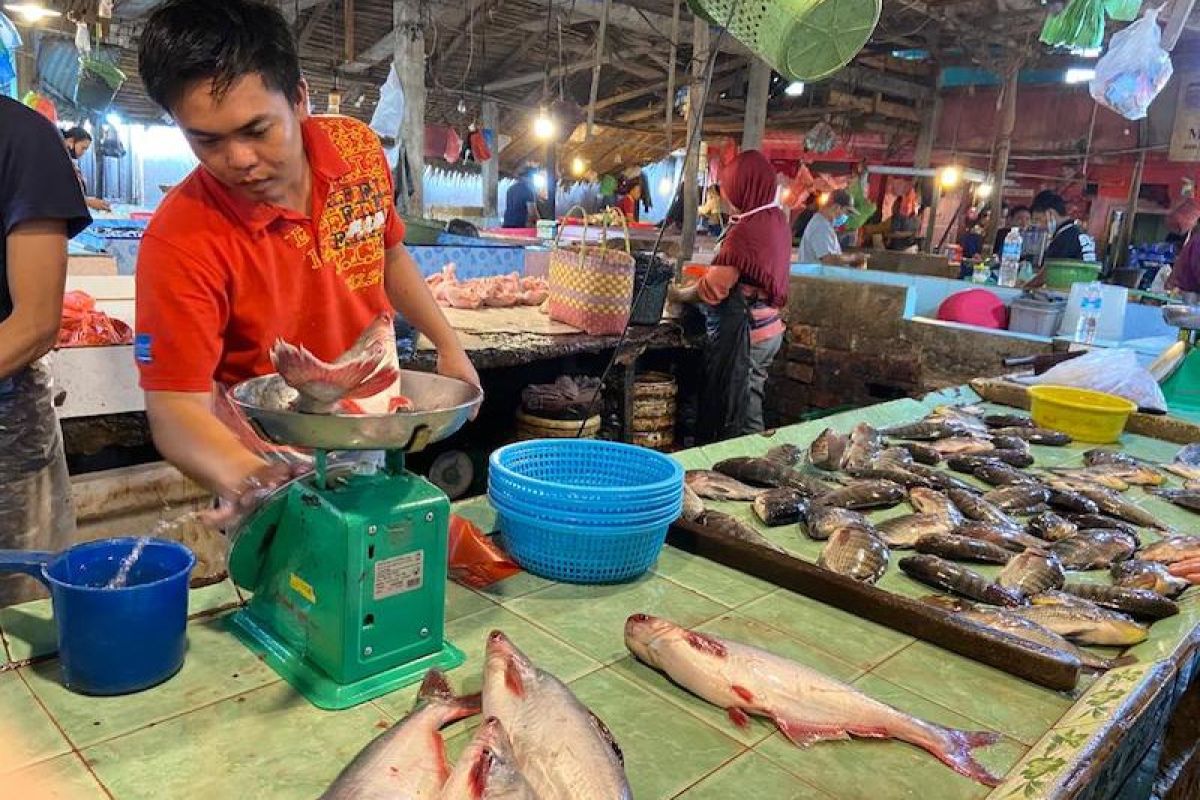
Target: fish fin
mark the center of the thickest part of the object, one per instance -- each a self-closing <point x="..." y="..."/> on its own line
<point x="743" y="692"/>
<point x="954" y="749"/>
<point x="803" y="734"/>
<point x="375" y="384"/>
<point x="480" y="770"/>
<point x="606" y="734"/>
<point x="435" y="686"/>
<point x="513" y="679"/>
<point x="738" y="717"/>
<point x="706" y="644"/>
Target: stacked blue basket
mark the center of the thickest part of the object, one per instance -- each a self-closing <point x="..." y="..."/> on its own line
<point x="584" y="511"/>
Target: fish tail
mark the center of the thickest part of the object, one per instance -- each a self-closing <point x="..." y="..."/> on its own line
<point x="436" y="689"/>
<point x="955" y="748"/>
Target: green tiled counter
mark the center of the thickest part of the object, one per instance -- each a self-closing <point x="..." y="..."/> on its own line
<point x="228" y="727"/>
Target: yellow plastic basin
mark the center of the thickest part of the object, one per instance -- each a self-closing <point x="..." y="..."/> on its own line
<point x="1082" y="414"/>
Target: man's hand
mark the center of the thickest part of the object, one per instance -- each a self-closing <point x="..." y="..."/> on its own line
<point x="859" y="260"/>
<point x="96" y="204"/>
<point x="255" y="488"/>
<point x="1189" y="570"/>
<point x="458" y="365"/>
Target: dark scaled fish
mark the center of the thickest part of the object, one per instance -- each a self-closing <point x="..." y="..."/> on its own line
<point x="931" y="501"/>
<point x="1113" y="475"/>
<point x="787" y="454"/>
<point x="1032" y="572"/>
<point x="1149" y="575"/>
<point x="865" y="494"/>
<point x="1115" y="505"/>
<point x="896" y="473"/>
<point x="1138" y="603"/>
<point x="975" y="507"/>
<point x="776" y="507"/>
<point x="963" y="548"/>
<point x="1083" y="622"/>
<point x="922" y="453"/>
<point x="969" y="463"/>
<point x="1101" y="456"/>
<point x="736" y="529"/>
<point x="715" y="486"/>
<point x="1052" y="527"/>
<point x="865" y="445"/>
<point x="1074" y="502"/>
<point x="1018" y="498"/>
<point x="1085" y="478"/>
<point x="896" y="456"/>
<point x="940" y="479"/>
<point x="1012" y="538"/>
<point x="962" y="445"/>
<point x="756" y="471"/>
<point x="1172" y="549"/>
<point x="827" y="450"/>
<point x="1184" y="498"/>
<point x="855" y="553"/>
<point x="821" y="521"/>
<point x="927" y="430"/>
<point x="903" y="533"/>
<point x="1035" y="435"/>
<point x="693" y="506"/>
<point x="942" y="574"/>
<point x="1013" y="457"/>
<point x="1084" y="521"/>
<point x="1008" y="421"/>
<point x="1094" y="549"/>
<point x="1011" y="443"/>
<point x="997" y="473"/>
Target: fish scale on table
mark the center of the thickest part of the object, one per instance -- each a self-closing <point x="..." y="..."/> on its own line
<point x="940" y="479"/>
<point x="925" y="431"/>
<point x="787" y="454"/>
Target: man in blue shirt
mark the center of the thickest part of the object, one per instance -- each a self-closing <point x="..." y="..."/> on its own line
<point x="520" y="203"/>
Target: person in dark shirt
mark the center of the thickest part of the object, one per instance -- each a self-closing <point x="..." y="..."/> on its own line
<point x="41" y="206"/>
<point x="804" y="217"/>
<point x="520" y="203"/>
<point x="78" y="141"/>
<point x="1068" y="240"/>
<point x="1018" y="218"/>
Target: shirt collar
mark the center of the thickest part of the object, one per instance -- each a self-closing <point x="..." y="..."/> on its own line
<point x="324" y="159"/>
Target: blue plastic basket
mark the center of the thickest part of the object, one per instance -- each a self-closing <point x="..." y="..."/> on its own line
<point x="551" y="504"/>
<point x="580" y="553"/>
<point x="661" y="513"/>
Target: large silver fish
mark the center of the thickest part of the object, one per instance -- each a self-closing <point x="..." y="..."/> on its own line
<point x="805" y="705"/>
<point x="712" y="485"/>
<point x="564" y="751"/>
<point x="487" y="769"/>
<point x="408" y="759"/>
<point x="904" y="532"/>
<point x="736" y="529"/>
<point x="855" y="553"/>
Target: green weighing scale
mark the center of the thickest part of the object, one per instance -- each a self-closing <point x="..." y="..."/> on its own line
<point x="347" y="565"/>
<point x="1181" y="384"/>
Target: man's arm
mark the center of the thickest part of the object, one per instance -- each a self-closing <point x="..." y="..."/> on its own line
<point x="189" y="435"/>
<point x="845" y="259"/>
<point x="531" y="212"/>
<point x="36" y="253"/>
<point x="409" y="295"/>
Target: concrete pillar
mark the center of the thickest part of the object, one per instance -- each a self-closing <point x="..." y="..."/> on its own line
<point x="930" y="121"/>
<point x="695" y="119"/>
<point x="409" y="61"/>
<point x="757" y="94"/>
<point x="491" y="167"/>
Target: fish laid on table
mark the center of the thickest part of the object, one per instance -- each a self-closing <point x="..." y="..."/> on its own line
<point x="828" y="449"/>
<point x="1013" y="443"/>
<point x="408" y="759"/>
<point x="926" y="431"/>
<point x="902" y="533"/>
<point x="942" y="574"/>
<point x="1083" y="622"/>
<point x="896" y="473"/>
<point x="736" y="529"/>
<point x="1032" y="572"/>
<point x="931" y="501"/>
<point x="1172" y="549"/>
<point x="804" y="704"/>
<point x="1035" y="435"/>
<point x="564" y="751"/>
<point x="1186" y="463"/>
<point x="855" y="553"/>
<point x="1013" y="539"/>
<point x="961" y="416"/>
<point x="1099" y="548"/>
<point x="1018" y="498"/>
<point x="1100" y="455"/>
<point x="1117" y="474"/>
<point x="821" y="521"/>
<point x="487" y="769"/>
<point x="712" y="485"/>
<point x="1008" y="421"/>
<point x="865" y="445"/>
<point x="1085" y="521"/>
<point x="1115" y="505"/>
<point x="1150" y="575"/>
<point x="1074" y="502"/>
<point x="1184" y="498"/>
<point x="865" y="494"/>
<point x="893" y="454"/>
<point x="975" y="507"/>
<point x="776" y="507"/>
<point x="693" y="506"/>
<point x="922" y="453"/>
<point x="999" y="474"/>
<point x="760" y="472"/>
<point x="787" y="454"/>
<point x="963" y="548"/>
<point x="1082" y="479"/>
<point x="1052" y="527"/>
<point x="1137" y="603"/>
<point x="940" y="479"/>
<point x="962" y="445"/>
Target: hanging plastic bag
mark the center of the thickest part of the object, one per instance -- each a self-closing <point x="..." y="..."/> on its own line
<point x="389" y="114"/>
<point x="1112" y="371"/>
<point x="1079" y="26"/>
<point x="864" y="209"/>
<point x="475" y="559"/>
<point x="1122" y="10"/>
<point x="1134" y="70"/>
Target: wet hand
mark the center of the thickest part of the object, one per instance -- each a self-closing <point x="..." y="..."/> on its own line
<point x="254" y="489"/>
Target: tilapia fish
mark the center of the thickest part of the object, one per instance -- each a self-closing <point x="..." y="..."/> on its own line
<point x="1011" y="538"/>
<point x="1094" y="549"/>
<point x="930" y="501"/>
<point x="1008" y="421"/>
<point x="855" y="553"/>
<point x="997" y="473"/>
<point x="1032" y="572"/>
<point x="865" y="444"/>
<point x="962" y="445"/>
<point x="777" y="507"/>
<point x="942" y="574"/>
<point x="896" y="473"/>
<point x="1085" y="521"/>
<point x="821" y="521"/>
<point x="805" y="705"/>
<point x="365" y="370"/>
<point x="1083" y="622"/>
<point x="1052" y="527"/>
<point x="1149" y="575"/>
<point x="408" y="759"/>
<point x="865" y="494"/>
<point x="1172" y="549"/>
<point x="961" y="416"/>
<point x="755" y="471"/>
<point x="963" y="548"/>
<point x="564" y="751"/>
<point x="902" y="533"/>
<point x="1019" y="498"/>
<point x="1074" y="502"/>
<point x="975" y="507"/>
<point x="1138" y="603"/>
<point x="894" y="455"/>
<point x="922" y="453"/>
<point x="1101" y="456"/>
<point x="712" y="485"/>
<point x="487" y="769"/>
<point x="1184" y="498"/>
<point x="693" y="506"/>
<point x="827" y="450"/>
<point x="787" y="454"/>
<point x="1035" y="435"/>
<point x="940" y="479"/>
<point x="1120" y="473"/>
<point x="926" y="431"/>
<point x="1111" y="503"/>
<point x="1013" y="444"/>
<point x="736" y="529"/>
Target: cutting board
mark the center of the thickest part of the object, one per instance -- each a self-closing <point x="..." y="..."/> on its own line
<point x="518" y="319"/>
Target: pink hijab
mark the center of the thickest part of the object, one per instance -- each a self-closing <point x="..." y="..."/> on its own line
<point x="759" y="243"/>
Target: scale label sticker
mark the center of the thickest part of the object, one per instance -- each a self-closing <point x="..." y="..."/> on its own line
<point x="400" y="574"/>
<point x="302" y="587"/>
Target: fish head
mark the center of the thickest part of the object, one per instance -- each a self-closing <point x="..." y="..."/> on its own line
<point x="492" y="769"/>
<point x="508" y="674"/>
<point x="645" y="636"/>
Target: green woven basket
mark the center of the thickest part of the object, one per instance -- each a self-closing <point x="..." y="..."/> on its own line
<point x="804" y="40"/>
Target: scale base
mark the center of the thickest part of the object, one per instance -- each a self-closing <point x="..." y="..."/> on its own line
<point x="319" y="688"/>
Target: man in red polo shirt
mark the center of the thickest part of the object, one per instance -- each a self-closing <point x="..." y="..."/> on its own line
<point x="286" y="230"/>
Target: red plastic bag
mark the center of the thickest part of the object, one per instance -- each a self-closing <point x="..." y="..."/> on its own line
<point x="479" y="146"/>
<point x="475" y="559"/>
<point x="83" y="326"/>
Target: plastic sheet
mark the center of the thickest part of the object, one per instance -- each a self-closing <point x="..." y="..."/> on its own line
<point x="1112" y="371"/>
<point x="475" y="559"/>
<point x="1134" y="70"/>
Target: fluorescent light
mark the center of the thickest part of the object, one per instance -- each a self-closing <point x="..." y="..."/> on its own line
<point x="539" y="180"/>
<point x="949" y="176"/>
<point x="794" y="89"/>
<point x="665" y="186"/>
<point x="1087" y="52"/>
<point x="32" y="12"/>
<point x="1079" y="75"/>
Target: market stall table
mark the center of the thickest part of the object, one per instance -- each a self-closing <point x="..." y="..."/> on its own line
<point x="227" y="726"/>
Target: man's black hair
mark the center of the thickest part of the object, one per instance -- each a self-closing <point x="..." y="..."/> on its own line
<point x="1047" y="200"/>
<point x="219" y="40"/>
<point x="77" y="134"/>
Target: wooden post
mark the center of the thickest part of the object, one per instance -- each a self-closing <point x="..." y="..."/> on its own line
<point x="491" y="167"/>
<point x="1008" y="122"/>
<point x="349" y="49"/>
<point x="930" y="121"/>
<point x="1135" y="189"/>
<point x="933" y="209"/>
<point x="670" y="105"/>
<point x="601" y="35"/>
<point x="695" y="118"/>
<point x="757" y="94"/>
<point x="409" y="61"/>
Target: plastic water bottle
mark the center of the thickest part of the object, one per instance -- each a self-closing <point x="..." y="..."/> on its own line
<point x="1089" y="313"/>
<point x="1010" y="259"/>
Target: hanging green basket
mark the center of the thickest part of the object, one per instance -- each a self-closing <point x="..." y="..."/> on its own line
<point x="804" y="40"/>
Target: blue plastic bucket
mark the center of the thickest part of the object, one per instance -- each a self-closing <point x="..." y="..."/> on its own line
<point x="114" y="641"/>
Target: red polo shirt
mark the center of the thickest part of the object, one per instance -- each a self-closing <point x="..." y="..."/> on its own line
<point x="219" y="279"/>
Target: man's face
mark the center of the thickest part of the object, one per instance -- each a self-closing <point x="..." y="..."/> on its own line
<point x="1021" y="219"/>
<point x="249" y="139"/>
<point x="1043" y="219"/>
<point x="77" y="147"/>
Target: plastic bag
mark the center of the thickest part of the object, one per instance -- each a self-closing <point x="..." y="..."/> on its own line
<point x="1112" y="371"/>
<point x="1134" y="70"/>
<point x="864" y="209"/>
<point x="83" y="326"/>
<point x="389" y="114"/>
<point x="1079" y="26"/>
<point x="1122" y="10"/>
<point x="475" y="559"/>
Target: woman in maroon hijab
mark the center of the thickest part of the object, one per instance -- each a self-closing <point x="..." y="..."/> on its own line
<point x="747" y="285"/>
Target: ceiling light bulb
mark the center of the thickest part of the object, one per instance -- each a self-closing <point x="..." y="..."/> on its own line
<point x="578" y="166"/>
<point x="794" y="89"/>
<point x="950" y="176"/>
<point x="32" y="12"/>
<point x="539" y="180"/>
<point x="983" y="190"/>
<point x="665" y="186"/>
<point x="544" y="126"/>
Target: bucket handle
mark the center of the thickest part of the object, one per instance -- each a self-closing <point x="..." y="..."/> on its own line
<point x="28" y="562"/>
